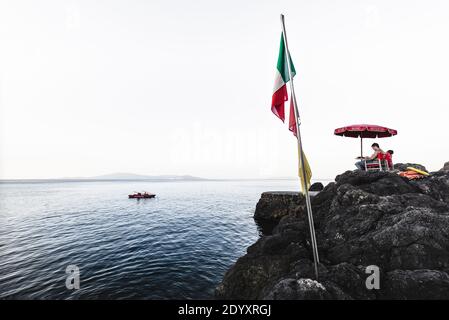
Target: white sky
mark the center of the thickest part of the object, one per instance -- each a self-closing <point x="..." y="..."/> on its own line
<point x="184" y="87"/>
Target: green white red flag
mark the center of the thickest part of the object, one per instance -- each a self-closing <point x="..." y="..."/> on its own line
<point x="280" y="94"/>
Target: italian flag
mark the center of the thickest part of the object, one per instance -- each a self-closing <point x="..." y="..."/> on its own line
<point x="280" y="83"/>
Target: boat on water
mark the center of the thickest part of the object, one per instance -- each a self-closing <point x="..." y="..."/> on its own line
<point x="141" y="195"/>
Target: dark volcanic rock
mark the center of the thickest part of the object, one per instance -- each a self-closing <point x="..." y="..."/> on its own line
<point x="364" y="218"/>
<point x="416" y="284"/>
<point x="436" y="186"/>
<point x="274" y="205"/>
<point x="302" y="289"/>
<point x="377" y="182"/>
<point x="445" y="167"/>
<point x="317" y="186"/>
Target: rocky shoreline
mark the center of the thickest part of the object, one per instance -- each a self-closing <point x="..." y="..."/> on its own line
<point x="362" y="219"/>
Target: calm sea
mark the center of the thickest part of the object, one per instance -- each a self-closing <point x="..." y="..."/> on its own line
<point x="176" y="246"/>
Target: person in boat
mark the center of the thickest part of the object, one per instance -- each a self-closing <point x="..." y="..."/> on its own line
<point x="361" y="163"/>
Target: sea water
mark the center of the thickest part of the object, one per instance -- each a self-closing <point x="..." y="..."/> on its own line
<point x="175" y="246"/>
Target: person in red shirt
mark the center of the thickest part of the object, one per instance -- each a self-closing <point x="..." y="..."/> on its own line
<point x="361" y="164"/>
<point x="389" y="158"/>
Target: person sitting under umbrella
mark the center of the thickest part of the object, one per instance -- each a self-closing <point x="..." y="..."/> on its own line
<point x="389" y="159"/>
<point x="361" y="164"/>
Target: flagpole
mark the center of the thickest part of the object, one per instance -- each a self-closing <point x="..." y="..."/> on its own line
<point x="316" y="258"/>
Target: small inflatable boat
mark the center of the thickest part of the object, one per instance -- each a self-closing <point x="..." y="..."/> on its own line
<point x="141" y="195"/>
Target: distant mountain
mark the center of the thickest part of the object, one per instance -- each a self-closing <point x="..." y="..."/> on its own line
<point x="109" y="177"/>
<point x="133" y="176"/>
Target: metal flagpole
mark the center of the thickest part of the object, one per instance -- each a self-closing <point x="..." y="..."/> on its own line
<point x="316" y="258"/>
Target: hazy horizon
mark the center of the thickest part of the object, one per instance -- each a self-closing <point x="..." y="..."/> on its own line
<point x="173" y="87"/>
<point x="143" y="177"/>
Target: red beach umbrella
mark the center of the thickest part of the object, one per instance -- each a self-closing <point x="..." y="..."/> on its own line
<point x="365" y="131"/>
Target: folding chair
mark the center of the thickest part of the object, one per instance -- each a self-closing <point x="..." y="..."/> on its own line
<point x="378" y="164"/>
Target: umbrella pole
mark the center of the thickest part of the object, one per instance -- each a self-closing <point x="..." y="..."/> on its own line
<point x="361" y="147"/>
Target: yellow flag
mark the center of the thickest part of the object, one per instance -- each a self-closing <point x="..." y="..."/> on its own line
<point x="308" y="176"/>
